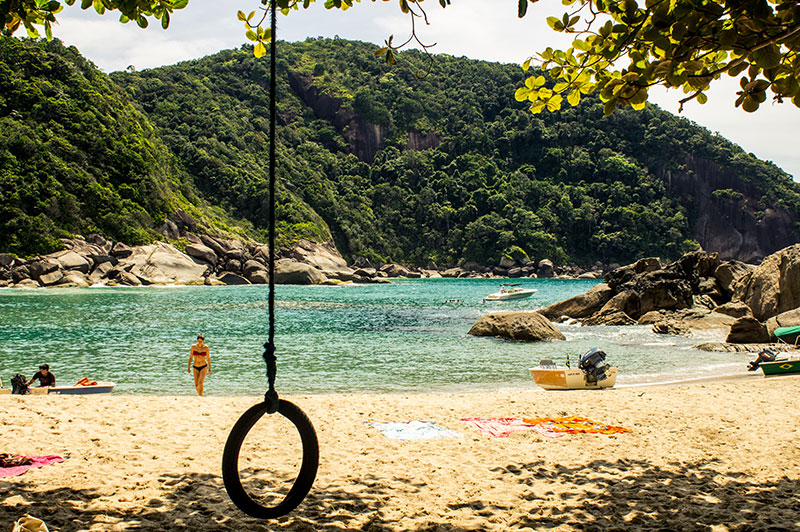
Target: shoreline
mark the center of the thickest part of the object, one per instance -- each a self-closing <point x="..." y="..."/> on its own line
<point x="695" y="457"/>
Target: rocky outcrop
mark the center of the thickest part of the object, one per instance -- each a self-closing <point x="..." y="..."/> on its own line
<point x="774" y="286"/>
<point x="580" y="306"/>
<point x="790" y="318"/>
<point x="735" y="225"/>
<point x="524" y="326"/>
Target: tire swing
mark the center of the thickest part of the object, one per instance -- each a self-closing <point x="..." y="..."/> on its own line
<point x="271" y="404"/>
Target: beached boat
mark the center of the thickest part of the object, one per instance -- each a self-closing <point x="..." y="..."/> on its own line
<point x="99" y="388"/>
<point x="789" y="335"/>
<point x="510" y="291"/>
<point x="773" y="362"/>
<point x="592" y="373"/>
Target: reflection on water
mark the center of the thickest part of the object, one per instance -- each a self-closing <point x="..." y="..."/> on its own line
<point x="403" y="336"/>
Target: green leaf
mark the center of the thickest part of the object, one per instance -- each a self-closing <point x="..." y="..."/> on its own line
<point x="523" y="8"/>
<point x="240" y="15"/>
<point x="165" y="20"/>
<point x="380" y="51"/>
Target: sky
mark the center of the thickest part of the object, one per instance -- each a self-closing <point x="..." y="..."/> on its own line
<point x="478" y="29"/>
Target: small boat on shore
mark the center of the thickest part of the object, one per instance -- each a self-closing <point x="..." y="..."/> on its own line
<point x="773" y="362"/>
<point x="592" y="373"/>
<point x="99" y="388"/>
<point x="510" y="291"/>
<point x="788" y="335"/>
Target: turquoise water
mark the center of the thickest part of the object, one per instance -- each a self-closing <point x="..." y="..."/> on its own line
<point x="401" y="337"/>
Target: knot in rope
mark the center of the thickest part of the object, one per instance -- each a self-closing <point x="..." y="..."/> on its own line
<point x="271" y="397"/>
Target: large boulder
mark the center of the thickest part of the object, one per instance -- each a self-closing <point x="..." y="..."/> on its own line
<point x="163" y="264"/>
<point x="202" y="252"/>
<point x="394" y="270"/>
<point x="6" y="260"/>
<point x="580" y="306"/>
<point x="233" y="279"/>
<point x="525" y="326"/>
<point x="774" y="286"/>
<point x="624" y="274"/>
<point x="747" y="330"/>
<point x="73" y="278"/>
<point x="72" y="261"/>
<point x="319" y="256"/>
<point x="41" y="267"/>
<point x="288" y="271"/>
<point x="51" y="278"/>
<point x="545" y="268"/>
<point x="728" y="272"/>
<point x="790" y="318"/>
<point x="120" y="251"/>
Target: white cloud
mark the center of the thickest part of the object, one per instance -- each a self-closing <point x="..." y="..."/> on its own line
<point x="480" y="29"/>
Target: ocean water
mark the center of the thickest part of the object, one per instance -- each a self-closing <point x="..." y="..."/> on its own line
<point x="399" y="337"/>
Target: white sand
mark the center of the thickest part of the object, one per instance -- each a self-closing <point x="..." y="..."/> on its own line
<point x="712" y="456"/>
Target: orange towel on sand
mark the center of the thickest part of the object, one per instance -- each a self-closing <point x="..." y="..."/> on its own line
<point x="575" y="425"/>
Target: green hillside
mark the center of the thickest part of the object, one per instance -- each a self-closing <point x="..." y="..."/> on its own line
<point x="395" y="167"/>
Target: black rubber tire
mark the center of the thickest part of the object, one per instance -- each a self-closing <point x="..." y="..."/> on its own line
<point x="305" y="477"/>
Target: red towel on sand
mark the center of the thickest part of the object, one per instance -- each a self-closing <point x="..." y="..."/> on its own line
<point x="38" y="461"/>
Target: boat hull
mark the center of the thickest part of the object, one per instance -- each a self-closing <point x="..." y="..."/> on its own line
<point x="569" y="379"/>
<point x="780" y="367"/>
<point x="521" y="294"/>
<point x="99" y="388"/>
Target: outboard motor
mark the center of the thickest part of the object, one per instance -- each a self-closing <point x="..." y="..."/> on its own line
<point x="593" y="364"/>
<point x="766" y="355"/>
<point x="19" y="384"/>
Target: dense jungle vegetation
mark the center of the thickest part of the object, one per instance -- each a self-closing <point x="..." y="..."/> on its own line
<point x="81" y="151"/>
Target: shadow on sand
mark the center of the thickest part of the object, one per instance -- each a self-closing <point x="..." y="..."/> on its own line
<point x="602" y="495"/>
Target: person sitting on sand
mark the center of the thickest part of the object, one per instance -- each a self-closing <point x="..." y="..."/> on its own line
<point x="200" y="362"/>
<point x="44" y="377"/>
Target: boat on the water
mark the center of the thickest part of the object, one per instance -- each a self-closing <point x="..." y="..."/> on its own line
<point x="592" y="373"/>
<point x="510" y="291"/>
<point x="99" y="388"/>
<point x="773" y="362"/>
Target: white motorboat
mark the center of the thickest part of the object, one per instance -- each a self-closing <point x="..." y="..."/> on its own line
<point x="510" y="291"/>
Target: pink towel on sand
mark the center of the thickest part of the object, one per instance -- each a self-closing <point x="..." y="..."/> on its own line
<point x="38" y="461"/>
<point x="501" y="427"/>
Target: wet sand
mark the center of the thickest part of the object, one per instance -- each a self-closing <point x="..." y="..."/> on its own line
<point x="704" y="456"/>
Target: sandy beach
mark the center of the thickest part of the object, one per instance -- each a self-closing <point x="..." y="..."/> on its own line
<point x="712" y="456"/>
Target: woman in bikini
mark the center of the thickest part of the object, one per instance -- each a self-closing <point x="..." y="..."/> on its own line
<point x="200" y="363"/>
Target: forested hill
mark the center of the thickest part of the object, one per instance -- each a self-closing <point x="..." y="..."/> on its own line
<point x="445" y="168"/>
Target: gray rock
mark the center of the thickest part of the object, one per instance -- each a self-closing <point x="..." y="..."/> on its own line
<point x="259" y="277"/>
<point x="202" y="253"/>
<point x="121" y="251"/>
<point x="220" y="247"/>
<point x="580" y="306"/>
<point x="18" y="273"/>
<point x="170" y="230"/>
<point x="545" y="268"/>
<point x="672" y="327"/>
<point x="394" y="270"/>
<point x="623" y="274"/>
<point x="42" y="267"/>
<point x="747" y="330"/>
<point x="252" y="266"/>
<point x="51" y="278"/>
<point x="233" y="279"/>
<point x="26" y="283"/>
<point x="524" y="326"/>
<point x="128" y="279"/>
<point x="163" y="264"/>
<point x="507" y="262"/>
<point x="790" y="318"/>
<point x="515" y="273"/>
<point x="736" y="309"/>
<point x="73" y="278"/>
<point x="288" y="271"/>
<point x="233" y="265"/>
<point x="774" y="286"/>
<point x="320" y="256"/>
<point x="100" y="272"/>
<point x="365" y="272"/>
<point x="6" y="260"/>
<point x="73" y="261"/>
<point x="729" y="272"/>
